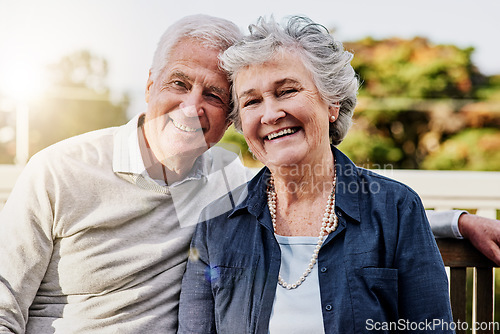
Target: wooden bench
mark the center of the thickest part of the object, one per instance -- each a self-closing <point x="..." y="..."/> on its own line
<point x="460" y="255"/>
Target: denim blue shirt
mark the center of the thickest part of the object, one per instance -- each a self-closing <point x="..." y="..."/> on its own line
<point x="381" y="268"/>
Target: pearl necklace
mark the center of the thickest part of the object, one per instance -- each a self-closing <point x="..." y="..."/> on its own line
<point x="329" y="224"/>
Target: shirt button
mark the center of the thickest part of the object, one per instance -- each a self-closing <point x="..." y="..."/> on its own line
<point x="339" y="213"/>
<point x="324" y="269"/>
<point x="328" y="307"/>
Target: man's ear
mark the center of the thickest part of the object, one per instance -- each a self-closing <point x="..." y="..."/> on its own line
<point x="148" y="87"/>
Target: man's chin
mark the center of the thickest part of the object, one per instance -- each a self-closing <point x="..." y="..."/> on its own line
<point x="188" y="152"/>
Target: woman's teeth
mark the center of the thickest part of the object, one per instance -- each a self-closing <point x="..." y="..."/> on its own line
<point x="281" y="133"/>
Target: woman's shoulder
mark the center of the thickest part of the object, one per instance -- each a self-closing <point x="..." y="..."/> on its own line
<point x="237" y="204"/>
<point x="221" y="208"/>
<point x="366" y="180"/>
<point x="376" y="183"/>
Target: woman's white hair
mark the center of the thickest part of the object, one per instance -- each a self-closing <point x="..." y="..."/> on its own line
<point x="323" y="56"/>
<point x="212" y="32"/>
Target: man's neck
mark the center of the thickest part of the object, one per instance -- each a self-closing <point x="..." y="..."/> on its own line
<point x="168" y="170"/>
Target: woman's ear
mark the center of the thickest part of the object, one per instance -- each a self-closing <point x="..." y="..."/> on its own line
<point x="334" y="109"/>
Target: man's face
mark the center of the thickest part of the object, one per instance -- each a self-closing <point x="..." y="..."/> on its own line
<point x="187" y="103"/>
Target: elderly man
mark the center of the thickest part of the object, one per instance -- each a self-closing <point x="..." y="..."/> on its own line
<point x="95" y="234"/>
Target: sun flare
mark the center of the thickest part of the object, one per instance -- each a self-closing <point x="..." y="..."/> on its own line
<point x="21" y="79"/>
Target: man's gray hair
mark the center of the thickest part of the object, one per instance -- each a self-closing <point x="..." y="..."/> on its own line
<point x="322" y="55"/>
<point x="212" y="32"/>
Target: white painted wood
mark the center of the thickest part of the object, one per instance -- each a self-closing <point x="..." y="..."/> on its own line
<point x="439" y="190"/>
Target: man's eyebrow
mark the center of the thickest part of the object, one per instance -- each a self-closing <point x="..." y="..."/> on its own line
<point x="220" y="91"/>
<point x="180" y="75"/>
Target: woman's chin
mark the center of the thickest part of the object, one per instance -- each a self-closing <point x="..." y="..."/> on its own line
<point x="285" y="159"/>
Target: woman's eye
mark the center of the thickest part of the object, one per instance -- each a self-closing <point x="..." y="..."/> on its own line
<point x="287" y="91"/>
<point x="250" y="102"/>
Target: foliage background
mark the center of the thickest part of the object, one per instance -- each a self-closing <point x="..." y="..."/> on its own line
<point x="421" y="106"/>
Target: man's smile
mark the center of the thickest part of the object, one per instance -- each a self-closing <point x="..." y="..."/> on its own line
<point x="183" y="127"/>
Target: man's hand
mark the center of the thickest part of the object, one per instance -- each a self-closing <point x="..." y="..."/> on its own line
<point x="483" y="233"/>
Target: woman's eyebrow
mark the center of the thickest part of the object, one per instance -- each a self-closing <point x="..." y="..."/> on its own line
<point x="246" y="93"/>
<point x="287" y="81"/>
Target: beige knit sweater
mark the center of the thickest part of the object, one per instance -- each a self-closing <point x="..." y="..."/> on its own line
<point x="84" y="249"/>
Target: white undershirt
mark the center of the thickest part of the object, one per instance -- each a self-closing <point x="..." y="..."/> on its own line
<point x="297" y="310"/>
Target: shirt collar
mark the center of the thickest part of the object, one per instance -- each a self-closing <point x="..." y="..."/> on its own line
<point x="346" y="194"/>
<point x="348" y="185"/>
<point x="126" y="153"/>
<point x="127" y="157"/>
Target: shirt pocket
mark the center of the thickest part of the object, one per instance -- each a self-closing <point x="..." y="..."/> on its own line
<point x="375" y="295"/>
<point x="232" y="290"/>
<point x="233" y="268"/>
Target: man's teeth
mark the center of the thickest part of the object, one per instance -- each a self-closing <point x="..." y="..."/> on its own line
<point x="281" y="133"/>
<point x="183" y="127"/>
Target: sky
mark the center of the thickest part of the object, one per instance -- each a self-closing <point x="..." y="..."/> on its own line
<point x="35" y="33"/>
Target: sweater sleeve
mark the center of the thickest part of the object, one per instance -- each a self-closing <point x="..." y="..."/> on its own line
<point x="26" y="245"/>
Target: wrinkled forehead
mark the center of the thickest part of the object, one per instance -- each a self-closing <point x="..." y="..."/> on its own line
<point x="270" y="55"/>
<point x="283" y="64"/>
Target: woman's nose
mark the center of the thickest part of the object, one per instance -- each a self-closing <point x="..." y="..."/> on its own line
<point x="272" y="112"/>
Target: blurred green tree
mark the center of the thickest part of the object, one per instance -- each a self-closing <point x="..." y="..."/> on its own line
<point x="412" y="96"/>
<point x="77" y="101"/>
<point x="471" y="149"/>
<point x="414" y="68"/>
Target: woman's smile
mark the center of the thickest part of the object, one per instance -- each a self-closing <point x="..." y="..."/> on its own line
<point x="281" y="133"/>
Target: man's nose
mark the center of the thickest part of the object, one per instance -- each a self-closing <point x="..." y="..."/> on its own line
<point x="192" y="104"/>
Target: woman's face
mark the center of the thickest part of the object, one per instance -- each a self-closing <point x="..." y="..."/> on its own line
<point x="284" y="120"/>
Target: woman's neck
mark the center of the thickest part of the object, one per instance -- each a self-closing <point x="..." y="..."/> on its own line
<point x="304" y="182"/>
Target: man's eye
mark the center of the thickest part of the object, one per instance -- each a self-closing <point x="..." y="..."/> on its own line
<point x="214" y="97"/>
<point x="179" y="83"/>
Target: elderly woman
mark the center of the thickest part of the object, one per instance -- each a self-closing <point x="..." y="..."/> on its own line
<point x="314" y="244"/>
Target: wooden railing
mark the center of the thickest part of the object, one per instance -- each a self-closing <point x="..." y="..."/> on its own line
<point x="445" y="190"/>
<point x="477" y="191"/>
<point x="459" y="255"/>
